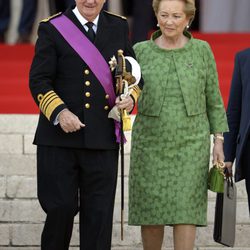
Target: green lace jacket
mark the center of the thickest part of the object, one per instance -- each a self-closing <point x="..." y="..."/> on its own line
<point x="197" y="73"/>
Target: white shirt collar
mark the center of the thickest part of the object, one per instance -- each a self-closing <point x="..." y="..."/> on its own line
<point x="83" y="21"/>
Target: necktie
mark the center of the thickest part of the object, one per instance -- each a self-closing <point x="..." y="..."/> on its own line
<point x="91" y="33"/>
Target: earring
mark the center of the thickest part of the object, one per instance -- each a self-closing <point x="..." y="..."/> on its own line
<point x="187" y="26"/>
<point x="158" y="25"/>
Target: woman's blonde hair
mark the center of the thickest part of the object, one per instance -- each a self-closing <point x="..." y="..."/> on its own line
<point x="189" y="9"/>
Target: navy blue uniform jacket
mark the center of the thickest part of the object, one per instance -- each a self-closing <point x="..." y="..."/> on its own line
<point x="60" y="79"/>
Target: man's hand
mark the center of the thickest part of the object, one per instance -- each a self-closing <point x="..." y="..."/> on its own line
<point x="69" y="122"/>
<point x="127" y="103"/>
<point x="229" y="166"/>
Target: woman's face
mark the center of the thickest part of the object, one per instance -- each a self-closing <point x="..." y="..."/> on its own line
<point x="171" y="18"/>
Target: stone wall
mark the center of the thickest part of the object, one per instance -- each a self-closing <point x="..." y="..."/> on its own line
<point x="21" y="218"/>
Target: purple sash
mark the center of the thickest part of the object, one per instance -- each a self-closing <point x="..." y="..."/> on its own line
<point x="88" y="52"/>
<point x="91" y="56"/>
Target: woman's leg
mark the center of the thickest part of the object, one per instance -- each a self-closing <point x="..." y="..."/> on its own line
<point x="184" y="237"/>
<point x="152" y="237"/>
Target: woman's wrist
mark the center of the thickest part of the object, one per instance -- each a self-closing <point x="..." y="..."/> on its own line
<point x="218" y="137"/>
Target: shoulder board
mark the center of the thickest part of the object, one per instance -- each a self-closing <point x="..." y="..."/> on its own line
<point x="113" y="14"/>
<point x="50" y="17"/>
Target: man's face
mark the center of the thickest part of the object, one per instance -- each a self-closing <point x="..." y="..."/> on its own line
<point x="89" y="9"/>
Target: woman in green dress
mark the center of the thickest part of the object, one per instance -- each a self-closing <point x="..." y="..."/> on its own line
<point x="179" y="107"/>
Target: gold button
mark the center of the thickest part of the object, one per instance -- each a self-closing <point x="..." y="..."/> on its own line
<point x="87" y="94"/>
<point x="86" y="71"/>
<point x="106" y="107"/>
<point x="87" y="105"/>
<point x="87" y="83"/>
<point x="107" y="96"/>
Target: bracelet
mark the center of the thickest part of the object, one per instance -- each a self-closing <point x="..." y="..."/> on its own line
<point x="220" y="137"/>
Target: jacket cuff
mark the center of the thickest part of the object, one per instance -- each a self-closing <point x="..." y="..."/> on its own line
<point x="136" y="91"/>
<point x="50" y="105"/>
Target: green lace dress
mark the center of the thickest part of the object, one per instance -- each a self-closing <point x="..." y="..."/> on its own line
<point x="170" y="151"/>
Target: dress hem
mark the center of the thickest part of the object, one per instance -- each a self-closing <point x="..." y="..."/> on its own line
<point x="168" y="224"/>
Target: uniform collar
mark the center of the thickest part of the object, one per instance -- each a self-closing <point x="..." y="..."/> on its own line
<point x="83" y="20"/>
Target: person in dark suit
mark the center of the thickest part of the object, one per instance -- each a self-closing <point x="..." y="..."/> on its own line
<point x="127" y="7"/>
<point x="77" y="149"/>
<point x="26" y="22"/>
<point x="144" y="20"/>
<point x="237" y="140"/>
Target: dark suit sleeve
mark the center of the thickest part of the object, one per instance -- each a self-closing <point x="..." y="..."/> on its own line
<point x="43" y="73"/>
<point x="233" y="112"/>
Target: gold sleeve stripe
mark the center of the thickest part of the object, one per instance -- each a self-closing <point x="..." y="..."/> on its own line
<point x="46" y="98"/>
<point x="136" y="92"/>
<point x="49" y="103"/>
<point x="52" y="106"/>
<point x="43" y="97"/>
<point x="51" y="99"/>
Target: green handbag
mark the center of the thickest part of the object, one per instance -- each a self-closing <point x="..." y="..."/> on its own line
<point x="216" y="178"/>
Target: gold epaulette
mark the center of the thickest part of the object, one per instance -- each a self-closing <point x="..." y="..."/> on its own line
<point x="50" y="17"/>
<point x="113" y="14"/>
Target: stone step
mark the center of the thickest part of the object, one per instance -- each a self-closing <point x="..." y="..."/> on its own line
<point x="22" y="219"/>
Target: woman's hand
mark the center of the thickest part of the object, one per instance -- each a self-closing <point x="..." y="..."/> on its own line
<point x="127" y="103"/>
<point x="218" y="153"/>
